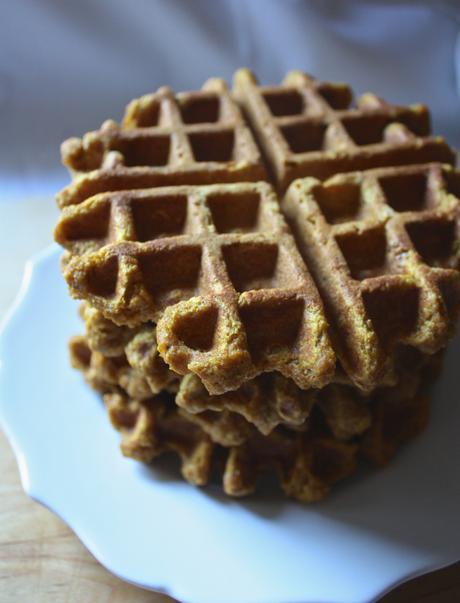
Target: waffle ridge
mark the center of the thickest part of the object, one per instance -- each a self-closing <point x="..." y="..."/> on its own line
<point x="306" y="127"/>
<point x="164" y="139"/>
<point x="229" y="268"/>
<point x="383" y="246"/>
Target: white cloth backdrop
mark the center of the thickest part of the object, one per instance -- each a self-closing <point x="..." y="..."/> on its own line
<point x="67" y="65"/>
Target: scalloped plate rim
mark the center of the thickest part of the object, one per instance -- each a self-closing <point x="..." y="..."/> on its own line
<point x="6" y="324"/>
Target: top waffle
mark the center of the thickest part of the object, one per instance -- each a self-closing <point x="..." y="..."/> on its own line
<point x="191" y="138"/>
<point x="383" y="246"/>
<point x="215" y="266"/>
<point x="307" y="128"/>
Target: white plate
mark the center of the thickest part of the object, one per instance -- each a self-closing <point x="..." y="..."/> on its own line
<point x="152" y="529"/>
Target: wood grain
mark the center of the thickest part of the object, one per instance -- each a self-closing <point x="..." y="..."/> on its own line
<point x="41" y="560"/>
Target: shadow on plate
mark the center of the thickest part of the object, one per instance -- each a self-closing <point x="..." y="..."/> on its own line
<point x="419" y="487"/>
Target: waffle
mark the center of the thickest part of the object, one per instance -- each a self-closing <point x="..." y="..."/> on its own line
<point x="147" y="432"/>
<point x="266" y="402"/>
<point x="107" y="374"/>
<point x="205" y="331"/>
<point x="191" y="138"/>
<point x="307" y="128"/>
<point x="307" y="467"/>
<point x="103" y="335"/>
<point x="383" y="246"/>
<point x="307" y="463"/>
<point x="112" y="375"/>
<point x="341" y="426"/>
<point x="394" y="421"/>
<point x="134" y="347"/>
<point x="218" y="270"/>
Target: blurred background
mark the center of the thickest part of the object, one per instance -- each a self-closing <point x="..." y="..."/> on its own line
<point x="66" y="66"/>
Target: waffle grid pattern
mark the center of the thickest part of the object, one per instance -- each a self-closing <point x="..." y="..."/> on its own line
<point x="229" y="266"/>
<point x="383" y="246"/>
<point x="191" y="138"/>
<point x="308" y="128"/>
<point x="213" y="265"/>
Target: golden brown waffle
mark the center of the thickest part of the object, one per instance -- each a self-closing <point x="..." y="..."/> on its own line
<point x="266" y="401"/>
<point x="307" y="463"/>
<point x="393" y="423"/>
<point x="134" y="347"/>
<point x="191" y="138"/>
<point x="107" y="374"/>
<point x="307" y="128"/>
<point x="219" y="270"/>
<point x="103" y="335"/>
<point x="346" y="411"/>
<point x="307" y="466"/>
<point x="148" y="431"/>
<point x="215" y="265"/>
<point x="112" y="375"/>
<point x="399" y="414"/>
<point x="383" y="246"/>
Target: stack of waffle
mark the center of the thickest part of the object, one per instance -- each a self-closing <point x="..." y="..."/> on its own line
<point x="268" y="277"/>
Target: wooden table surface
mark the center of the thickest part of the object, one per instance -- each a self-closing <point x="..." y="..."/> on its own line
<point x="41" y="560"/>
